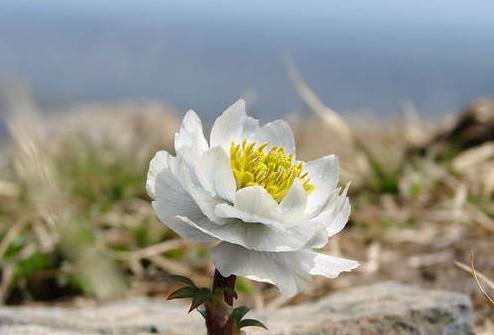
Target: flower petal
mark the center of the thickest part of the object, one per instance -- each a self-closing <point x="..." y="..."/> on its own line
<point x="323" y="173"/>
<point x="250" y="126"/>
<point x="256" y="236"/>
<point x="204" y="199"/>
<point x="232" y="126"/>
<point x="276" y="133"/>
<point x="190" y="143"/>
<point x="270" y="267"/>
<point x="215" y="174"/>
<point x="329" y="266"/>
<point x="228" y="126"/>
<point x="290" y="271"/>
<point x="295" y="200"/>
<point x="157" y="165"/>
<point x="339" y="218"/>
<point x="332" y="219"/>
<point x="170" y="199"/>
<point x="252" y="204"/>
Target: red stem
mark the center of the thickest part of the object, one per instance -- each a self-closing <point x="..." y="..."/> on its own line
<point x="217" y="314"/>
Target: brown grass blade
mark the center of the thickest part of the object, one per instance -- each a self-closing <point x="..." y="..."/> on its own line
<point x="327" y="114"/>
<point x="478" y="276"/>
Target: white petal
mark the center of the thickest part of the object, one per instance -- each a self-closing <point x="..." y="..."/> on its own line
<point x="331" y="220"/>
<point x="323" y="175"/>
<point x="329" y="266"/>
<point x="232" y="126"/>
<point x="250" y="126"/>
<point x="290" y="271"/>
<point x="271" y="267"/>
<point x="339" y="221"/>
<point x="202" y="197"/>
<point x="215" y="174"/>
<point x="256" y="222"/>
<point x="157" y="165"/>
<point x="252" y="204"/>
<point x="170" y="200"/>
<point x="257" y="236"/>
<point x="189" y="141"/>
<point x="295" y="200"/>
<point x="228" y="127"/>
<point x="276" y="133"/>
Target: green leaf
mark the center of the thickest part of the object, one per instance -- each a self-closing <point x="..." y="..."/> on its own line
<point x="184" y="292"/>
<point x="183" y="279"/>
<point x="200" y="297"/>
<point x="239" y="312"/>
<point x="252" y="323"/>
<point x="244" y="285"/>
<point x="32" y="264"/>
<point x="15" y="246"/>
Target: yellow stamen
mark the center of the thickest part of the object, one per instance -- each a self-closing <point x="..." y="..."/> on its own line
<point x="274" y="170"/>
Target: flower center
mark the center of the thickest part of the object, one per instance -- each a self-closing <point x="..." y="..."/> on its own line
<point x="274" y="170"/>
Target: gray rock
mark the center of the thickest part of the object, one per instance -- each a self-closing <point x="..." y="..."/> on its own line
<point x="385" y="308"/>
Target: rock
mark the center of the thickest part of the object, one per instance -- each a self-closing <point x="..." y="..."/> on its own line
<point x="128" y="317"/>
<point x="385" y="308"/>
<point x="474" y="126"/>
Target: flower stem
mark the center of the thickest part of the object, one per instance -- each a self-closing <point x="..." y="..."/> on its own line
<point x="218" y="320"/>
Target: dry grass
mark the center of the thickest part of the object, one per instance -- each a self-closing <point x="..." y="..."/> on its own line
<point x="478" y="277"/>
<point x="75" y="215"/>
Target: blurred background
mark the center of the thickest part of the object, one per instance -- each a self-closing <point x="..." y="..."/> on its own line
<point x="357" y="55"/>
<point x="89" y="90"/>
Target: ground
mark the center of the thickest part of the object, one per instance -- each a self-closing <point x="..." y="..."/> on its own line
<point x="76" y="223"/>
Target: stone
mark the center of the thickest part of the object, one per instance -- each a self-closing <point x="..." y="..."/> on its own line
<point x="473" y="127"/>
<point x="384" y="308"/>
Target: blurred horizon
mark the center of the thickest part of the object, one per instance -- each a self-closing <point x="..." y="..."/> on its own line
<point x="358" y="55"/>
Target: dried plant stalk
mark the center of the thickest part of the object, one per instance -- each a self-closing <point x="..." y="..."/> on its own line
<point x="478" y="276"/>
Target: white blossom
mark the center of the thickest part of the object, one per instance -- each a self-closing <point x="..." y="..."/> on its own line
<point x="246" y="190"/>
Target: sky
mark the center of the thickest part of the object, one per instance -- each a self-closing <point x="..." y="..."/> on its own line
<point x="205" y="54"/>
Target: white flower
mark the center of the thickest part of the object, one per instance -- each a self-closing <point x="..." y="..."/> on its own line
<point x="246" y="190"/>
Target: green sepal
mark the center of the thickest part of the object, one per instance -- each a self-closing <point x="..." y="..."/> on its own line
<point x="184" y="292"/>
<point x="184" y="280"/>
<point x="239" y="312"/>
<point x="251" y="323"/>
<point x="237" y="316"/>
<point x="201" y="296"/>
